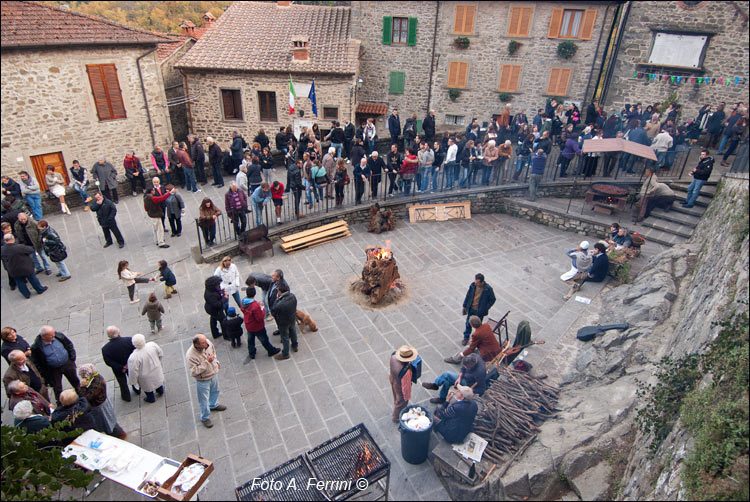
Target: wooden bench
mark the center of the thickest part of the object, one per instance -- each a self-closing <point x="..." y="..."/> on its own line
<point x="440" y="212"/>
<point x="255" y="242"/>
<point x="315" y="236"/>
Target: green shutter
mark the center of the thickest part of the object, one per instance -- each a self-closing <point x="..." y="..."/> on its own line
<point x="412" y="37"/>
<point x="419" y="127"/>
<point x="397" y="82"/>
<point x="387" y="22"/>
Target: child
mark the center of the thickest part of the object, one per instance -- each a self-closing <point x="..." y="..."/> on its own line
<point x="232" y="327"/>
<point x="277" y="196"/>
<point x="154" y="309"/>
<point x="168" y="277"/>
<point x="254" y="323"/>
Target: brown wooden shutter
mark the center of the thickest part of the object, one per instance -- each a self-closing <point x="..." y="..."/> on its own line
<point x="452" y="73"/>
<point x="554" y="76"/>
<point x="237" y="97"/>
<point x="515" y="19"/>
<point x="457" y="74"/>
<point x="469" y="19"/>
<point x="555" y="23"/>
<point x="113" y="91"/>
<point x="515" y="78"/>
<point x="562" y="83"/>
<point x="587" y="27"/>
<point x="458" y="21"/>
<point x="505" y="72"/>
<point x="227" y="101"/>
<point x="463" y="22"/>
<point x="524" y="26"/>
<point x="510" y="76"/>
<point x="463" y="70"/>
<point x="99" y="91"/>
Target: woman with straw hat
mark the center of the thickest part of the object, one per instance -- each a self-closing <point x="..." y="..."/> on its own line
<point x="400" y="378"/>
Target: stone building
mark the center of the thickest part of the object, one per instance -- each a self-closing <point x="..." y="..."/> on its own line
<point x="685" y="39"/>
<point x="168" y="54"/>
<point x="76" y="87"/>
<point x="412" y="56"/>
<point x="237" y="76"/>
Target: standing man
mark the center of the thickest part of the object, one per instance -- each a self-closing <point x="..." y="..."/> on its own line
<point x="237" y="149"/>
<point x="106" y="176"/>
<point x="20" y="266"/>
<point x="359" y="180"/>
<point x="349" y="137"/>
<point x="116" y="353"/>
<point x="373" y="171"/>
<point x="215" y="157"/>
<point x="54" y="355"/>
<point x="277" y="276"/>
<point x="105" y="214"/>
<point x="204" y="367"/>
<point x="151" y="203"/>
<point x="198" y="156"/>
<point x="28" y="234"/>
<point x="400" y="378"/>
<point x="282" y="142"/>
<point x="451" y="165"/>
<point x="392" y="166"/>
<point x="479" y="299"/>
<point x="338" y="138"/>
<point x="700" y="175"/>
<point x="329" y="164"/>
<point x="394" y="126"/>
<point x="428" y="127"/>
<point x="538" y="162"/>
<point x="235" y="204"/>
<point x="159" y="190"/>
<point x="187" y="168"/>
<point x="24" y="370"/>
<point x="410" y="130"/>
<point x="32" y="193"/>
<point x="284" y="310"/>
<point x="174" y="164"/>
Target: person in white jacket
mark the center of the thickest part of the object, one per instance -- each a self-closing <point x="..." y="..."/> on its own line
<point x="661" y="143"/>
<point x="230" y="279"/>
<point x="581" y="261"/>
<point x="145" y="372"/>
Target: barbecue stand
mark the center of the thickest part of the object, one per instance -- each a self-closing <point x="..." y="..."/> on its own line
<point x="349" y="456"/>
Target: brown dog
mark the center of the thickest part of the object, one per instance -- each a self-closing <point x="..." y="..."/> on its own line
<point x="304" y="320"/>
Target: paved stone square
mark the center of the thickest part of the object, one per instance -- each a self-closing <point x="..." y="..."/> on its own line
<point x="339" y="377"/>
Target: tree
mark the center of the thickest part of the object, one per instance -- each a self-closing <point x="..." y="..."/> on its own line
<point x="35" y="472"/>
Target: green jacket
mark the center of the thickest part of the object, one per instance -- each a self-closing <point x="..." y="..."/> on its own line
<point x="34" y="235"/>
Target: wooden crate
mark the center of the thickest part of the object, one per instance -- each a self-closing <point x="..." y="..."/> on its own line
<point x="440" y="212"/>
<point x="165" y="491"/>
<point x="315" y="236"/>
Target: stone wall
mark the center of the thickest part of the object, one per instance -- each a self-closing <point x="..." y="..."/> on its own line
<point x="726" y="54"/>
<point x="207" y="114"/>
<point x="488" y="50"/>
<point x="175" y="89"/>
<point x="47" y="106"/>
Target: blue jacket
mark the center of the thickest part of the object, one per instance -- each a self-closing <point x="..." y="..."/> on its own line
<point x="168" y="277"/>
<point x="260" y="197"/>
<point x="486" y="299"/>
<point x="599" y="268"/>
<point x="571" y="148"/>
<point x="638" y="135"/>
<point x="457" y="420"/>
<point x="394" y="125"/>
<point x="537" y="163"/>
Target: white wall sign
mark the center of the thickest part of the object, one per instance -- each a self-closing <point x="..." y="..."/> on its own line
<point x="677" y="50"/>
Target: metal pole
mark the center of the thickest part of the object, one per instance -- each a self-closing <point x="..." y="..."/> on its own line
<point x="198" y="231"/>
<point x="684" y="162"/>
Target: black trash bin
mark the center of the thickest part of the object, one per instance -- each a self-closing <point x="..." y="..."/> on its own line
<point x="415" y="445"/>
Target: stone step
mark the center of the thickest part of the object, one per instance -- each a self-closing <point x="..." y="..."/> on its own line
<point x="700" y="201"/>
<point x="659" y="236"/>
<point x="708" y="193"/>
<point x="684" y="219"/>
<point x="666" y="226"/>
<point x="694" y="211"/>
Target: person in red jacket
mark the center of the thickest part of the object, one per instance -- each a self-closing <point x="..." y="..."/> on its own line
<point x="277" y="197"/>
<point x="152" y="205"/>
<point x="408" y="168"/>
<point x="255" y="314"/>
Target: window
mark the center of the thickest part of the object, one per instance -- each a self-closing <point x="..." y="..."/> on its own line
<point x="455" y="119"/>
<point x="231" y="103"/>
<point x="509" y="78"/>
<point x="567" y="23"/>
<point x="267" y="106"/>
<point x="520" y="21"/>
<point x="399" y="30"/>
<point x="457" y="73"/>
<point x="559" y="78"/>
<point x="106" y="90"/>
<point x="677" y="49"/>
<point x="331" y="112"/>
<point x="463" y="23"/>
<point x="397" y="82"/>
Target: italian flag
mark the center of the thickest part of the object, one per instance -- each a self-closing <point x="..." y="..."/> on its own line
<point x="292" y="95"/>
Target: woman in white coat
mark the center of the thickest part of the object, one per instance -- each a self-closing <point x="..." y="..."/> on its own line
<point x="144" y="368"/>
<point x="230" y="280"/>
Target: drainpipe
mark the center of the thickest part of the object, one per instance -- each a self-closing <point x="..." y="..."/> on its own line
<point x="432" y="58"/>
<point x="615" y="50"/>
<point x="593" y="63"/>
<point x="143" y="90"/>
<point x="187" y="101"/>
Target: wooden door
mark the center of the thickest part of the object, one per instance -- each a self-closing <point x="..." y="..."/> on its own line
<point x="40" y="163"/>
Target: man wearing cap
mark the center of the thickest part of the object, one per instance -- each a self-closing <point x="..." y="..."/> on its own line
<point x="454" y="421"/>
<point x="479" y="299"/>
<point x="400" y="378"/>
<point x="473" y="375"/>
<point x="580" y="261"/>
<point x="482" y="340"/>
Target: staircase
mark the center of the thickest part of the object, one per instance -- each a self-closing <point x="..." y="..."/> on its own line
<point x="676" y="226"/>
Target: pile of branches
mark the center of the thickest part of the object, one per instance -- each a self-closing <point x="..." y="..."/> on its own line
<point x="511" y="408"/>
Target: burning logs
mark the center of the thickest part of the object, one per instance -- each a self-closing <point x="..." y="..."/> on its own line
<point x="381" y="220"/>
<point x="510" y="409"/>
<point x="379" y="273"/>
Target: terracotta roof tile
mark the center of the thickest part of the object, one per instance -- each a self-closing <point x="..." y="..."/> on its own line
<point x="257" y="36"/>
<point x="165" y="49"/>
<point x="372" y="108"/>
<point x="34" y="24"/>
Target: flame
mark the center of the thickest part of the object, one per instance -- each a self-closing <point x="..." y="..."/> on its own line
<point x="365" y="463"/>
<point x="383" y="254"/>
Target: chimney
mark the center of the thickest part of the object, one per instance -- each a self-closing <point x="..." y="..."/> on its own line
<point x="301" y="48"/>
<point x="208" y="20"/>
<point x="188" y="28"/>
<point x="283" y="4"/>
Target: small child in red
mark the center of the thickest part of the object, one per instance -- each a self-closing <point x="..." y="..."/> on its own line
<point x="277" y="196"/>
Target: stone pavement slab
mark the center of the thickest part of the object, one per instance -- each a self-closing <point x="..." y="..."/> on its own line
<point x="339" y="378"/>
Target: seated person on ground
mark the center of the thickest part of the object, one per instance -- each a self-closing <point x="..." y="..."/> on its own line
<point x="473" y="375"/>
<point x="620" y="241"/>
<point x="482" y="340"/>
<point x="598" y="271"/>
<point x="454" y="419"/>
<point x="25" y="418"/>
<point x="613" y="229"/>
<point x="580" y="260"/>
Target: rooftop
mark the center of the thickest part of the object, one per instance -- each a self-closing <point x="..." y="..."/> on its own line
<point x="234" y="42"/>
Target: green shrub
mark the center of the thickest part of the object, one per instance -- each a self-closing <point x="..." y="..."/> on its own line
<point x="566" y="49"/>
<point x="453" y="94"/>
<point x="462" y="42"/>
<point x="513" y="46"/>
<point x="505" y="97"/>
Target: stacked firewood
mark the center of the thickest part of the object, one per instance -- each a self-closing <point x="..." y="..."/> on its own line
<point x="511" y="408"/>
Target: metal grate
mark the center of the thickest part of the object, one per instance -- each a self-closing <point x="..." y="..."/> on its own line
<point x="338" y="459"/>
<point x="280" y="483"/>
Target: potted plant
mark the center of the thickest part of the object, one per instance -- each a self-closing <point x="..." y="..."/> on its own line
<point x="566" y="49"/>
<point x="453" y="94"/>
<point x="505" y="97"/>
<point x="513" y="46"/>
<point x="462" y="42"/>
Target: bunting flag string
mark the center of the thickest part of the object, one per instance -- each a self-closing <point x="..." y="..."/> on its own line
<point x="684" y="79"/>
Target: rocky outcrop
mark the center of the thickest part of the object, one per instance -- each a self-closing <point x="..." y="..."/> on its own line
<point x="591" y="447"/>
